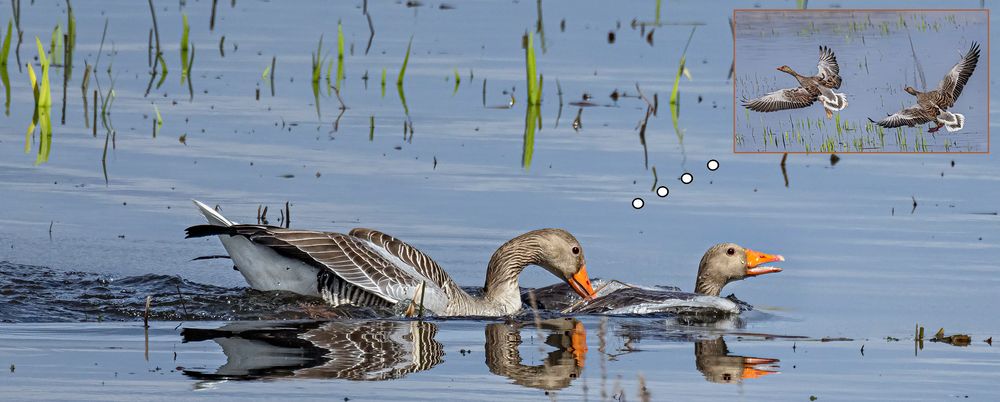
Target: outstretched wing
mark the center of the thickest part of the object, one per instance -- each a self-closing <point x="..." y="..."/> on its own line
<point x="410" y="255"/>
<point x="782" y="99"/>
<point x="910" y="116"/>
<point x="958" y="76"/>
<point x="347" y="257"/>
<point x="829" y="70"/>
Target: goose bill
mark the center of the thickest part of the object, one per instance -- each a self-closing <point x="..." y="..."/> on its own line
<point x="755" y="261"/>
<point x="750" y="369"/>
<point x="580" y="282"/>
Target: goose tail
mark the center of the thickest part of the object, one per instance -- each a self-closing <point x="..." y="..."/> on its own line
<point x="213" y="216"/>
<point x="959" y="122"/>
<point x="838" y="102"/>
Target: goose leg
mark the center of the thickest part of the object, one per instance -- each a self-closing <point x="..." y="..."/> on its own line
<point x="829" y="114"/>
<point x="935" y="128"/>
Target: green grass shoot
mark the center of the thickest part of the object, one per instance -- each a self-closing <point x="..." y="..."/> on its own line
<point x="159" y="121"/>
<point x="532" y="119"/>
<point x="70" y="39"/>
<point x="675" y="92"/>
<point x="267" y="71"/>
<point x="383" y="82"/>
<point x="42" y="116"/>
<point x="371" y="128"/>
<point x="317" y="61"/>
<point x="4" y="76"/>
<point x="406" y="60"/>
<point x="458" y="80"/>
<point x="185" y="47"/>
<point x="340" y="55"/>
<point x="534" y="89"/>
<point x="56" y="46"/>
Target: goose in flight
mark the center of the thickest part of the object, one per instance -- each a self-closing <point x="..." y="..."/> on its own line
<point x="811" y="89"/>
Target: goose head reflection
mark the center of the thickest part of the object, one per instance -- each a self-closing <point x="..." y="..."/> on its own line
<point x="560" y="367"/>
<point x="713" y="360"/>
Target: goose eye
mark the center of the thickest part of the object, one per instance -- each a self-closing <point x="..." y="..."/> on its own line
<point x="576" y="250"/>
<point x="730" y="251"/>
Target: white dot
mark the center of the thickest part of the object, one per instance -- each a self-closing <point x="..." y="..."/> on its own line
<point x="687" y="178"/>
<point x="662" y="191"/>
<point x="638" y="203"/>
<point x="713" y="165"/>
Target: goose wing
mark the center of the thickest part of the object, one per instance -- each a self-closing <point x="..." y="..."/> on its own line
<point x="410" y="255"/>
<point x="910" y="116"/>
<point x="348" y="257"/>
<point x="958" y="76"/>
<point x="782" y="99"/>
<point x="829" y="70"/>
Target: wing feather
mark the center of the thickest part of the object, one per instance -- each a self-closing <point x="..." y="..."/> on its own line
<point x="410" y="255"/>
<point x="829" y="70"/>
<point x="958" y="76"/>
<point x="345" y="256"/>
<point x="782" y="99"/>
<point x="911" y="116"/>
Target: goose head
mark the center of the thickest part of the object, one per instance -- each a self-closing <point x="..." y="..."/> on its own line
<point x="727" y="262"/>
<point x="562" y="255"/>
<point x="786" y="69"/>
<point x="912" y="91"/>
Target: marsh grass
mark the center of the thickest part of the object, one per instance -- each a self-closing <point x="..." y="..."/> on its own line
<point x="406" y="60"/>
<point x="531" y="70"/>
<point x="317" y="70"/>
<point x="340" y="55"/>
<point x="675" y="91"/>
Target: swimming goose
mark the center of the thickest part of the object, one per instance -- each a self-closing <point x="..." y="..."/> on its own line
<point x="721" y="264"/>
<point x="818" y="87"/>
<point x="933" y="105"/>
<point x="370" y="268"/>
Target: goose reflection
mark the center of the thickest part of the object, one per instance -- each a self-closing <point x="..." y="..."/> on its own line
<point x="713" y="360"/>
<point x="358" y="351"/>
<point x="560" y="367"/>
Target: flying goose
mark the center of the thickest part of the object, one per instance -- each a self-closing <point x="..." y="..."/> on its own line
<point x="370" y="268"/>
<point x="933" y="105"/>
<point x="818" y="87"/>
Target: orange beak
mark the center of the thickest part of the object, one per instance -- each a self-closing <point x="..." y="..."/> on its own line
<point x="580" y="282"/>
<point x="750" y="371"/>
<point x="755" y="259"/>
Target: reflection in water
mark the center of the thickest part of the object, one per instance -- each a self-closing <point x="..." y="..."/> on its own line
<point x="358" y="351"/>
<point x="381" y="350"/>
<point x="560" y="367"/>
<point x="712" y="359"/>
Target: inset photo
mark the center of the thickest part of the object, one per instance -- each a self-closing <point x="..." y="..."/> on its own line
<point x="861" y="81"/>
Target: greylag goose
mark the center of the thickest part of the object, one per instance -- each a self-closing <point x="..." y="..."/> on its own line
<point x="721" y="264"/>
<point x="818" y="87"/>
<point x="560" y="367"/>
<point x="933" y="105"/>
<point x="370" y="268"/>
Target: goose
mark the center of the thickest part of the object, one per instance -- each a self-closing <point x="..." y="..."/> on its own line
<point x="721" y="264"/>
<point x="933" y="105"/>
<point x="369" y="268"/>
<point x="818" y="87"/>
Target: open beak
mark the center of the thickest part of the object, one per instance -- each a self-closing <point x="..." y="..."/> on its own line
<point x="580" y="282"/>
<point x="755" y="261"/>
<point x="751" y="371"/>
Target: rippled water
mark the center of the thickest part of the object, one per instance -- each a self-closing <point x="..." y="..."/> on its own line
<point x="874" y="244"/>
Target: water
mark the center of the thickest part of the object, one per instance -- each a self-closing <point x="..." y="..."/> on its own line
<point x="862" y="263"/>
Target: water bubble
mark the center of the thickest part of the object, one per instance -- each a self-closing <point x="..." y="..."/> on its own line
<point x="687" y="178"/>
<point x="637" y="203"/>
<point x="713" y="165"/>
<point x="662" y="191"/>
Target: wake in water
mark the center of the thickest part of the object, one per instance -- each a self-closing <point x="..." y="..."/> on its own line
<point x="39" y="294"/>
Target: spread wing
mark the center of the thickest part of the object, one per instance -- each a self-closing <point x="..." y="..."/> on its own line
<point x="910" y="116"/>
<point x="829" y="70"/>
<point x="958" y="76"/>
<point x="348" y="257"/>
<point x="410" y="255"/>
<point x="782" y="99"/>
